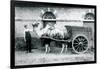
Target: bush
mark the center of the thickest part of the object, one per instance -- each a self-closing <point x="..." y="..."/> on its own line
<point x="21" y="45"/>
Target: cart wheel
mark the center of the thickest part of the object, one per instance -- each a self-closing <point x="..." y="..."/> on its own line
<point x="80" y="44"/>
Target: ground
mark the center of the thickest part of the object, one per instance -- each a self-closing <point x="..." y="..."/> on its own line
<point x="39" y="57"/>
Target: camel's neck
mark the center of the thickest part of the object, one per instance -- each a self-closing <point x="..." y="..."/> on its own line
<point x="38" y="31"/>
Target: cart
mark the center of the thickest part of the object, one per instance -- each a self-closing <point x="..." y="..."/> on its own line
<point x="79" y="37"/>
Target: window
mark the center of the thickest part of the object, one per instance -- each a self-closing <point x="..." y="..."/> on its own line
<point x="48" y="15"/>
<point x="89" y="16"/>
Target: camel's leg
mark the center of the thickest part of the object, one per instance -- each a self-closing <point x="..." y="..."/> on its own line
<point x="46" y="48"/>
<point x="62" y="48"/>
<point x="66" y="48"/>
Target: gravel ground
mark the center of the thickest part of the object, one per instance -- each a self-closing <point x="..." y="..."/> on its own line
<point x="39" y="57"/>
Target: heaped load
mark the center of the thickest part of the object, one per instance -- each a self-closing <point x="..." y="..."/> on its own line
<point x="55" y="33"/>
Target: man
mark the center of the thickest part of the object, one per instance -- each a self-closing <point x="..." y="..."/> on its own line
<point x="30" y="34"/>
<point x="27" y="38"/>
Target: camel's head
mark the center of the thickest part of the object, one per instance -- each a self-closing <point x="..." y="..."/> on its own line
<point x="35" y="25"/>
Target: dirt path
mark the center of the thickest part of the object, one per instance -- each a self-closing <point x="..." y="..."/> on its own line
<point x="39" y="57"/>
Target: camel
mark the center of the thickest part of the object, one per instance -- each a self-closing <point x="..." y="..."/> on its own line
<point x="50" y="32"/>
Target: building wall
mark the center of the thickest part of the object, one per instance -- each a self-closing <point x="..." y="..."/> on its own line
<point x="65" y="16"/>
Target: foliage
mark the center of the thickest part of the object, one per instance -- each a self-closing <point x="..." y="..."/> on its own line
<point x="21" y="45"/>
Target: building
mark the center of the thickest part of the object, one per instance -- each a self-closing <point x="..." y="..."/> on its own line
<point x="61" y="16"/>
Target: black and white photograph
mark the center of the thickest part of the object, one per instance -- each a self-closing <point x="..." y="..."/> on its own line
<point x="52" y="33"/>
